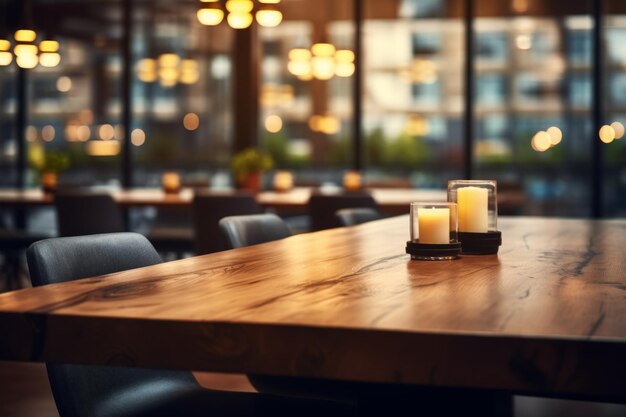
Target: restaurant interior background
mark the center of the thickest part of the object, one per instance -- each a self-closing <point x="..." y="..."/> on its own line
<point x="405" y="120"/>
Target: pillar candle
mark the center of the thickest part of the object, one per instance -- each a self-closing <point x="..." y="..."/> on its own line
<point x="434" y="225"/>
<point x="473" y="212"/>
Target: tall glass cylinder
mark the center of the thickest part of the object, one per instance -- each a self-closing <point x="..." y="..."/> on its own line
<point x="477" y="202"/>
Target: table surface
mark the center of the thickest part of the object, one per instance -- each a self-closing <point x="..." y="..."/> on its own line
<point x="390" y="200"/>
<point x="547" y="316"/>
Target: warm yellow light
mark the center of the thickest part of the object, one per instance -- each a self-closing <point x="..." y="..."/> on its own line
<point x="352" y="181"/>
<point x="330" y="125"/>
<point x="48" y="133"/>
<point x="239" y="6"/>
<point x="323" y="67"/>
<point x="239" y="20"/>
<point x="83" y="133"/>
<point x="106" y="132"/>
<point x="306" y="77"/>
<point x="210" y="16"/>
<point x="283" y="181"/>
<point x="299" y="68"/>
<point x="541" y="142"/>
<point x="5" y="58"/>
<point x="64" y="84"/>
<point x="269" y="18"/>
<point x="25" y="35"/>
<point x="555" y="135"/>
<point x="189" y="77"/>
<point x="103" y="148"/>
<point x="417" y="126"/>
<point x="619" y="129"/>
<point x="344" y="55"/>
<point x="31" y="133"/>
<point x="169" y="60"/>
<point x="25" y="50"/>
<point x="607" y="134"/>
<point x="524" y="42"/>
<point x="49" y="59"/>
<point x="5" y="45"/>
<point x="27" y="61"/>
<point x="138" y="137"/>
<point x="299" y="54"/>
<point x="85" y="116"/>
<point x="168" y="76"/>
<point x="49" y="46"/>
<point x="147" y="70"/>
<point x="315" y="122"/>
<point x="273" y="123"/>
<point x="191" y="121"/>
<point x="323" y="49"/>
<point x="269" y="1"/>
<point x="71" y="132"/>
<point x="344" y="69"/>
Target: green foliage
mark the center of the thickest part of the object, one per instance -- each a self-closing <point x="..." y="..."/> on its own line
<point x="48" y="161"/>
<point x="376" y="148"/>
<point x="408" y="151"/>
<point x="250" y="160"/>
<point x="340" y="151"/>
<point x="276" y="145"/>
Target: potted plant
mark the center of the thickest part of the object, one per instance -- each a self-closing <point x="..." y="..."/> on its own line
<point x="49" y="164"/>
<point x="248" y="165"/>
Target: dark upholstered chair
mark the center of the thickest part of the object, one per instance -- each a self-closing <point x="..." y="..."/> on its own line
<point x="83" y="212"/>
<point x="209" y="209"/>
<point x="353" y="216"/>
<point x="100" y="391"/>
<point x="322" y="208"/>
<point x="253" y="229"/>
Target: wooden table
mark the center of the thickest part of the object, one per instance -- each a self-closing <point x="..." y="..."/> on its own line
<point x="547" y="316"/>
<point x="391" y="201"/>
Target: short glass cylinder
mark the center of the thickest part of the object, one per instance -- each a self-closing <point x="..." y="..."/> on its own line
<point x="434" y="231"/>
<point x="434" y="223"/>
<point x="477" y="202"/>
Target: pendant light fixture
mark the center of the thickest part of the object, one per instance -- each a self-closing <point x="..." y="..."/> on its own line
<point x="323" y="61"/>
<point x="241" y="13"/>
<point x="6" y="57"/>
<point x="28" y="54"/>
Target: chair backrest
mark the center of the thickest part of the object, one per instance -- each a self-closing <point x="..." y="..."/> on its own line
<point x="322" y="208"/>
<point x="81" y="390"/>
<point x="209" y="209"/>
<point x="253" y="229"/>
<point x="353" y="216"/>
<point x="84" y="212"/>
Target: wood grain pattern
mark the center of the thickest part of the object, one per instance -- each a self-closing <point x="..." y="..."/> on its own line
<point x="544" y="317"/>
<point x="392" y="201"/>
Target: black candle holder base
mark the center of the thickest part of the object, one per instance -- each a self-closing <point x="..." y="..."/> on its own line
<point x="480" y="243"/>
<point x="432" y="252"/>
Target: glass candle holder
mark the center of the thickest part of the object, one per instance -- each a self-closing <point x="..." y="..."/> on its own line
<point x="283" y="181"/>
<point x="434" y="228"/>
<point x="477" y="202"/>
<point x="352" y="181"/>
<point x="170" y="181"/>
